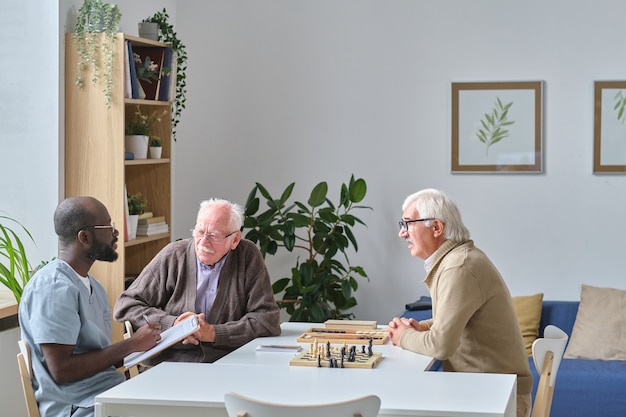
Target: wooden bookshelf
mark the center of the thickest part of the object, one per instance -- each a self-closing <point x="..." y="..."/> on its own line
<point x="95" y="165"/>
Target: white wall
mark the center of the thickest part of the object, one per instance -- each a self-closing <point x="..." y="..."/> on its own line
<point x="29" y="131"/>
<point x="305" y="91"/>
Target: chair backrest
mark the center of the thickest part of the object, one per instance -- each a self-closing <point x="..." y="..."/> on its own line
<point x="238" y="405"/>
<point x="133" y="370"/>
<point x="547" y="355"/>
<point x="24" y="364"/>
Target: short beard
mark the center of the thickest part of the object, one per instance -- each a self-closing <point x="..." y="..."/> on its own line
<point x="101" y="252"/>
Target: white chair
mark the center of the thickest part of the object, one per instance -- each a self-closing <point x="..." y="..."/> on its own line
<point x="239" y="406"/>
<point x="26" y="373"/>
<point x="547" y="355"/>
<point x="133" y="370"/>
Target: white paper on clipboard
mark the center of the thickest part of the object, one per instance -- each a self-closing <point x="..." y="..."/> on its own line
<point x="169" y="337"/>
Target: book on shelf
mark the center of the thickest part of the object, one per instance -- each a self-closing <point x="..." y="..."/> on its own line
<point x="145" y="215"/>
<point x="167" y="76"/>
<point x="152" y="229"/>
<point x="149" y="66"/>
<point x="152" y="226"/>
<point x="151" y="220"/>
<point x="126" y="216"/>
<point x="132" y="71"/>
<point x="128" y="90"/>
<point x="173" y="77"/>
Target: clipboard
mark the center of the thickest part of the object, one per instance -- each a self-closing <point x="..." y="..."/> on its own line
<point x="169" y="337"/>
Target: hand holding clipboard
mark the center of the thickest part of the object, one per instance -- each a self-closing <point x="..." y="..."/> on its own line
<point x="169" y="337"/>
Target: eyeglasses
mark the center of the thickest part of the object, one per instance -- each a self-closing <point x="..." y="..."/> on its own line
<point x="210" y="237"/>
<point x="109" y="226"/>
<point x="404" y="224"/>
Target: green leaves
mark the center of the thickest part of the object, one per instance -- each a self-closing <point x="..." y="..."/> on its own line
<point x="493" y="125"/>
<point x="167" y="34"/>
<point x="620" y="106"/>
<point x="14" y="268"/>
<point x="323" y="281"/>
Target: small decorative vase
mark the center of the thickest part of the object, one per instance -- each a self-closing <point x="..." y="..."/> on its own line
<point x="138" y="145"/>
<point x="155" y="152"/>
<point x="149" y="30"/>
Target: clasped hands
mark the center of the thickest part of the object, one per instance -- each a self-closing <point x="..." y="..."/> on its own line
<point x="398" y="325"/>
<point x="206" y="332"/>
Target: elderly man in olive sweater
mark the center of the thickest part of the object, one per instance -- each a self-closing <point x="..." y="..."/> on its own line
<point x="474" y="327"/>
<point x="217" y="275"/>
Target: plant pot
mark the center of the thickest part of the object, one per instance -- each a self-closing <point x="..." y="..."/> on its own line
<point x="133" y="220"/>
<point x="155" y="152"/>
<point x="138" y="145"/>
<point x="149" y="30"/>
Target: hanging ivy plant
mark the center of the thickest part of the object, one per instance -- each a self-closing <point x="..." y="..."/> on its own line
<point x="95" y="17"/>
<point x="168" y="35"/>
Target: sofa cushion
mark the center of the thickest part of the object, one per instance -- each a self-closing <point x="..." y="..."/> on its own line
<point x="600" y="328"/>
<point x="590" y="388"/>
<point x="528" y="311"/>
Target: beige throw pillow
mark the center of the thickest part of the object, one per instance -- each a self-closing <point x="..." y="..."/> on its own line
<point x="528" y="311"/>
<point x="600" y="328"/>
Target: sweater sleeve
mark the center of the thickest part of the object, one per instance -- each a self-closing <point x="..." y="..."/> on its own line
<point x="461" y="297"/>
<point x="157" y="292"/>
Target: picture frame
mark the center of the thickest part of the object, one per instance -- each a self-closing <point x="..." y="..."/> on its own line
<point x="609" y="132"/>
<point x="497" y="127"/>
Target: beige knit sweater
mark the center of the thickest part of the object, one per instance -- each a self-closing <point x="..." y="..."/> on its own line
<point x="474" y="327"/>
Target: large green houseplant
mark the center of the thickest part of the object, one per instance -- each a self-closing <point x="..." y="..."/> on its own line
<point x="14" y="266"/>
<point x="94" y="18"/>
<point x="167" y="34"/>
<point x="322" y="282"/>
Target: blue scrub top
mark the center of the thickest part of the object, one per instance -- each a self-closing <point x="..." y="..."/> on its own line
<point x="57" y="307"/>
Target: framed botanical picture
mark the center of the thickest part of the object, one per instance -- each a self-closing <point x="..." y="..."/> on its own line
<point x="609" y="133"/>
<point x="497" y="127"/>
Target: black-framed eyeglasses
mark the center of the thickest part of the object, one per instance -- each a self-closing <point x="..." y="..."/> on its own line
<point x="210" y="237"/>
<point x="404" y="224"/>
<point x="108" y="226"/>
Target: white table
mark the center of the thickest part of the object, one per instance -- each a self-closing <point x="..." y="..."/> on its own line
<point x="192" y="389"/>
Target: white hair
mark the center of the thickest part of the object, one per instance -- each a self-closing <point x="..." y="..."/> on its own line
<point x="436" y="204"/>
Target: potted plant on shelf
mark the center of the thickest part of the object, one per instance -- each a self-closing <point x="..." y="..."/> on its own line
<point x="136" y="206"/>
<point x="95" y="18"/>
<point x="138" y="130"/>
<point x="156" y="147"/>
<point x="321" y="286"/>
<point x="168" y="35"/>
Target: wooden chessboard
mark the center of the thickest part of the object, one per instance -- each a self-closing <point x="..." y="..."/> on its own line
<point x="362" y="360"/>
<point x="346" y="335"/>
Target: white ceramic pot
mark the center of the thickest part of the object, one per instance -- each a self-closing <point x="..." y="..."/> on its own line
<point x="155" y="152"/>
<point x="138" y="145"/>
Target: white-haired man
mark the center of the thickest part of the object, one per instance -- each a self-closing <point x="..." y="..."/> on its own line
<point x="474" y="327"/>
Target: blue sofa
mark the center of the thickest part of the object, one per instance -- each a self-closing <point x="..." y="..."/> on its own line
<point x="589" y="388"/>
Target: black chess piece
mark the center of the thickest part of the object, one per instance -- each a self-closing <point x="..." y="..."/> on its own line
<point x="319" y="360"/>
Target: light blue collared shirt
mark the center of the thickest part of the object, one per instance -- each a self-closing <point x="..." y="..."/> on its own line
<point x="206" y="290"/>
